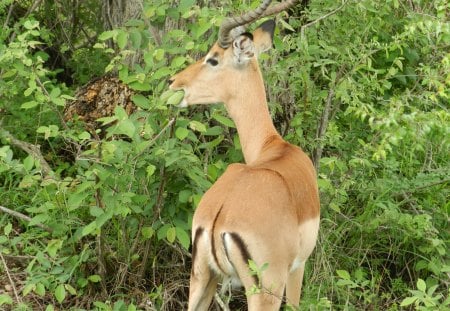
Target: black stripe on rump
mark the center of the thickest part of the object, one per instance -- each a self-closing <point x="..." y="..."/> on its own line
<point x="243" y="249"/>
<point x="197" y="235"/>
<point x="213" y="241"/>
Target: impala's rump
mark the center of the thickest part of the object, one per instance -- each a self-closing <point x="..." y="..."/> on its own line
<point x="276" y="191"/>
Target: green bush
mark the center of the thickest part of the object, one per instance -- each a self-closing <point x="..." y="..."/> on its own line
<point x="366" y="96"/>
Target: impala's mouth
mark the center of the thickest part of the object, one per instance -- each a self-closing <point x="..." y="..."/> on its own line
<point x="183" y="103"/>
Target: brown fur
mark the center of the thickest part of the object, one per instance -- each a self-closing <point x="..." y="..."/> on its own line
<point x="266" y="210"/>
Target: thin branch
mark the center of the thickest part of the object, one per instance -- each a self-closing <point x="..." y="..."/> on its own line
<point x="10" y="279"/>
<point x="159" y="201"/>
<point x="443" y="181"/>
<point x="11" y="7"/>
<point x="55" y="109"/>
<point x="302" y="29"/>
<point x="24" y="217"/>
<point x="221" y="303"/>
<point x="169" y="124"/>
<point x="325" y="119"/>
<point x="33" y="150"/>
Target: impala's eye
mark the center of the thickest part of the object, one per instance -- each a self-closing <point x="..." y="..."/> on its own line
<point x="212" y="61"/>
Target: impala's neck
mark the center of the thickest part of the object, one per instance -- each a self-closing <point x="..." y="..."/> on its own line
<point x="249" y="111"/>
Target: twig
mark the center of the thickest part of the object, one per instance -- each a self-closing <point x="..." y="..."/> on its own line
<point x="443" y="181"/>
<point x="159" y="200"/>
<point x="169" y="124"/>
<point x="11" y="7"/>
<point x="55" y="108"/>
<point x="10" y="279"/>
<point x="321" y="129"/>
<point x="302" y="29"/>
<point x="221" y="303"/>
<point x="24" y="217"/>
<point x="31" y="149"/>
<point x="325" y="118"/>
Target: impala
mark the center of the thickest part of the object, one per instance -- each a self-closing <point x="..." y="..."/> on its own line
<point x="266" y="210"/>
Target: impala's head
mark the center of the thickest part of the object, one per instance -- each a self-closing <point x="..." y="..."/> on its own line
<point x="232" y="61"/>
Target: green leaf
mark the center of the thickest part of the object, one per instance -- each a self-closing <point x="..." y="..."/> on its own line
<point x="40" y="289"/>
<point x="159" y="54"/>
<point x="122" y="38"/>
<point x="421" y="285"/>
<point x="84" y="135"/>
<point x="224" y="120"/>
<point x="161" y="72"/>
<point x="50" y="308"/>
<point x="185" y="4"/>
<point x="131" y="307"/>
<point x="171" y="234"/>
<point x="29" y="105"/>
<point x="197" y="126"/>
<point x="28" y="91"/>
<point x="140" y="86"/>
<point x="28" y="163"/>
<point x="166" y="95"/>
<point x="107" y="35"/>
<point x="89" y="228"/>
<point x="53" y="246"/>
<point x="60" y="293"/>
<point x="286" y="25"/>
<point x="135" y="38"/>
<point x="55" y="92"/>
<point x="178" y="61"/>
<point x="141" y="101"/>
<point x="31" y="24"/>
<point x="70" y="289"/>
<point x="343" y="274"/>
<point x="150" y="170"/>
<point x="147" y="232"/>
<point x="175" y="98"/>
<point x="183" y="237"/>
<point x="126" y="127"/>
<point x="184" y="195"/>
<point x="75" y="200"/>
<point x="102" y="306"/>
<point x="28" y="288"/>
<point x="8" y="228"/>
<point x="342" y="282"/>
<point x="5" y="299"/>
<point x="94" y="278"/>
<point x="408" y="301"/>
<point x="181" y="133"/>
<point x="213" y="131"/>
<point x="39" y="219"/>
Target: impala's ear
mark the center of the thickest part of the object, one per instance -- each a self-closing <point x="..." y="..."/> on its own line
<point x="263" y="36"/>
<point x="248" y="45"/>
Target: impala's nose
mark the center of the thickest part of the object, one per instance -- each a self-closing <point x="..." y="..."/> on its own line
<point x="170" y="81"/>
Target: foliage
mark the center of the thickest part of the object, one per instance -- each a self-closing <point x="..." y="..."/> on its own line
<point x="111" y="215"/>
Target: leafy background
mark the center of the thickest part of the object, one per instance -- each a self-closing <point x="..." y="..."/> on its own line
<point x="362" y="86"/>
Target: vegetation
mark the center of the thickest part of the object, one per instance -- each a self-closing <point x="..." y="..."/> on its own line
<point x="101" y="220"/>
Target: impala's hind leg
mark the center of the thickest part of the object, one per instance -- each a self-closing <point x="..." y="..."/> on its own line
<point x="203" y="281"/>
<point x="269" y="294"/>
<point x="294" y="285"/>
<point x="203" y="286"/>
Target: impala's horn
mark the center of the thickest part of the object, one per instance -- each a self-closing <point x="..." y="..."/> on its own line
<point x="225" y="37"/>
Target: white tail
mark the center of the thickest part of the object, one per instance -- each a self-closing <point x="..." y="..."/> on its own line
<point x="266" y="210"/>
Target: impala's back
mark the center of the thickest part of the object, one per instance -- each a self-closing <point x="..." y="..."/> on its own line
<point x="265" y="211"/>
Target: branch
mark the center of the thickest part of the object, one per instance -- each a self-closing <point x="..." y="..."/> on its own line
<point x="154" y="138"/>
<point x="10" y="279"/>
<point x="302" y="29"/>
<point x="24" y="217"/>
<point x="325" y="119"/>
<point x="33" y="150"/>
